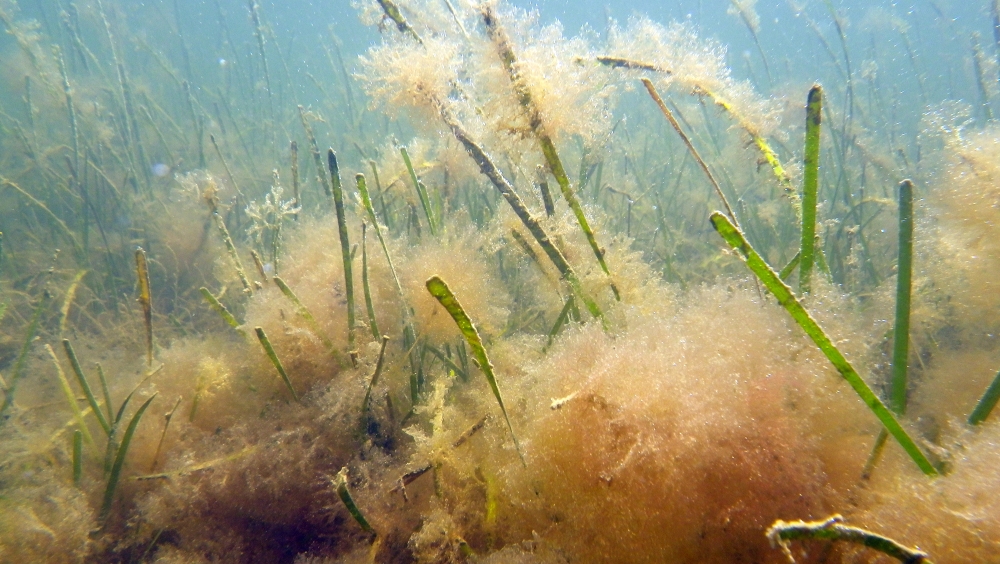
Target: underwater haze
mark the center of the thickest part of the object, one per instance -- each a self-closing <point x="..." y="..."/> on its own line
<point x="491" y="281"/>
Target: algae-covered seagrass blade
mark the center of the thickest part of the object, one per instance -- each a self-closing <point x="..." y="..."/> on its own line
<point x="440" y="290"/>
<point x="734" y="237"/>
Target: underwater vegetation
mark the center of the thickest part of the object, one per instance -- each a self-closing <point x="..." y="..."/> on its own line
<point x="465" y="287"/>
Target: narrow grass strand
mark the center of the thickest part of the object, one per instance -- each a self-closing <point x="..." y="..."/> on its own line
<point x="556" y="166"/>
<point x="112" y="447"/>
<point x="734" y="237"/>
<point x="340" y="484"/>
<point x="77" y="248"/>
<point x="293" y="149"/>
<point x="345" y="248"/>
<point x="690" y="146"/>
<point x="116" y="469"/>
<point x="752" y="23"/>
<point x="780" y="174"/>
<point x="875" y="455"/>
<point x="440" y="290"/>
<point x="304" y="314"/>
<point x="904" y="273"/>
<point x="266" y="343"/>
<point x="22" y="355"/>
<point x="365" y="405"/>
<point x="790" y="267"/>
<point x="70" y="397"/>
<point x="225" y="165"/>
<point x="366" y="201"/>
<point x="163" y="434"/>
<point x="317" y="156"/>
<point x="425" y="201"/>
<point x="82" y="379"/>
<point x="221" y="310"/>
<point x="68" y="300"/>
<point x="810" y="187"/>
<point x="233" y="254"/>
<point x="986" y="403"/>
<point x="259" y="265"/>
<point x="561" y="320"/>
<point x="107" y="393"/>
<point x="369" y="305"/>
<point x="77" y="457"/>
<point x="448" y="363"/>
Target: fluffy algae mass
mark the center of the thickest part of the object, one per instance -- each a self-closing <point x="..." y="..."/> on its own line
<point x="190" y="285"/>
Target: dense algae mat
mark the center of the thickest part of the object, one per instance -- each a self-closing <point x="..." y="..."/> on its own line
<point x="498" y="320"/>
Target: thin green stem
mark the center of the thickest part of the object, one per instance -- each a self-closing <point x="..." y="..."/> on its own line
<point x="440" y="290"/>
<point x="304" y="313"/>
<point x="787" y="270"/>
<point x="70" y="109"/>
<point x="258" y="29"/>
<point x="986" y="403"/>
<point x="225" y="165"/>
<point x="116" y="469"/>
<point x="77" y="248"/>
<point x="875" y="455"/>
<point x="369" y="306"/>
<point x="77" y="457"/>
<point x="163" y="434"/>
<point x="107" y="393"/>
<point x="293" y="149"/>
<point x="345" y="248"/>
<point x="221" y="310"/>
<point x="22" y="356"/>
<point x="810" y="187"/>
<point x="317" y="156"/>
<point x="340" y="484"/>
<point x="425" y="201"/>
<point x="70" y="397"/>
<point x="687" y="142"/>
<point x="82" y="379"/>
<point x="734" y="237"/>
<point x="233" y="254"/>
<point x="365" y="405"/>
<point x="266" y="343"/>
<point x="366" y="201"/>
<point x="561" y="319"/>
<point x="751" y="21"/>
<point x="901" y="332"/>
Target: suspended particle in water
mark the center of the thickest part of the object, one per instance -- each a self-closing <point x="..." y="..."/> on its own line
<point x="160" y="170"/>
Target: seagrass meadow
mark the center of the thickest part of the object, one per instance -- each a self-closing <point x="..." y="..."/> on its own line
<point x="476" y="281"/>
